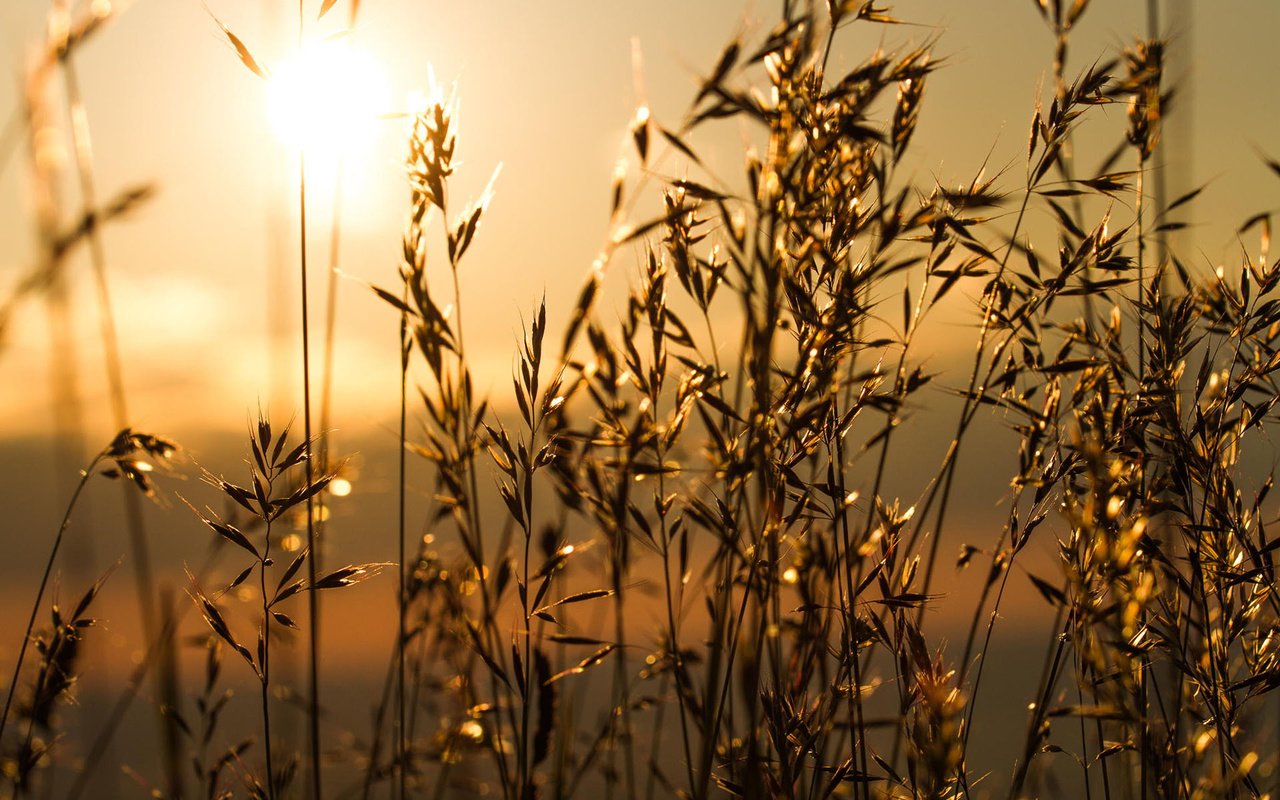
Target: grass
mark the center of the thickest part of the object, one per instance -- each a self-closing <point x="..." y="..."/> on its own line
<point x="669" y="561"/>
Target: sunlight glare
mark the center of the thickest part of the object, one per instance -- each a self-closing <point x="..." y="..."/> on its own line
<point x="326" y="98"/>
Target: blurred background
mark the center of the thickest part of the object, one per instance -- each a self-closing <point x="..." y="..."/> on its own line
<point x="203" y="274"/>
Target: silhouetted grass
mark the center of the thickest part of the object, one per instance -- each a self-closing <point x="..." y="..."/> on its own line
<point x="668" y="562"/>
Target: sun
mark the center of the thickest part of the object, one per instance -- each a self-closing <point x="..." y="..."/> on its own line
<point x="326" y="98"/>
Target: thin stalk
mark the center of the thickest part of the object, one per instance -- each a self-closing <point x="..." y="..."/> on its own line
<point x="379" y="719"/>
<point x="1142" y="317"/>
<point x="1144" y="735"/>
<point x="330" y="316"/>
<point x="1106" y="773"/>
<point x="655" y="743"/>
<point x="677" y="659"/>
<point x="621" y="680"/>
<point x="1049" y="680"/>
<point x="107" y="329"/>
<point x="724" y="698"/>
<point x="1161" y="180"/>
<point x="106" y="735"/>
<point x="1006" y="568"/>
<point x="265" y="676"/>
<point x="44" y="581"/>
<point x="848" y="604"/>
<point x="463" y="440"/>
<point x="1084" y="739"/>
<point x="527" y="787"/>
<point x="140" y="550"/>
<point x="169" y="680"/>
<point x="525" y="761"/>
<point x="617" y="573"/>
<point x="41" y="681"/>
<point x="330" y="324"/>
<point x="401" y="597"/>
<point x="1066" y="159"/>
<point x="968" y="409"/>
<point x="313" y="621"/>
<point x="313" y="603"/>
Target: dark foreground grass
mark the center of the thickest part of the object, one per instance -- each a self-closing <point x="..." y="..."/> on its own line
<point x="714" y="452"/>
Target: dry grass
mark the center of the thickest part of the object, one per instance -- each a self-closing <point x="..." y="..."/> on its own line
<point x="664" y="566"/>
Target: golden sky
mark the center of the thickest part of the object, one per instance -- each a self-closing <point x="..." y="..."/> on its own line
<point x="204" y="275"/>
<point x="547" y="91"/>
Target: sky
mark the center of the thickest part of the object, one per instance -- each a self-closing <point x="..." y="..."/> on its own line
<point x="203" y="276"/>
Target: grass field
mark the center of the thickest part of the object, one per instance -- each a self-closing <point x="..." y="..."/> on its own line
<point x="830" y="477"/>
